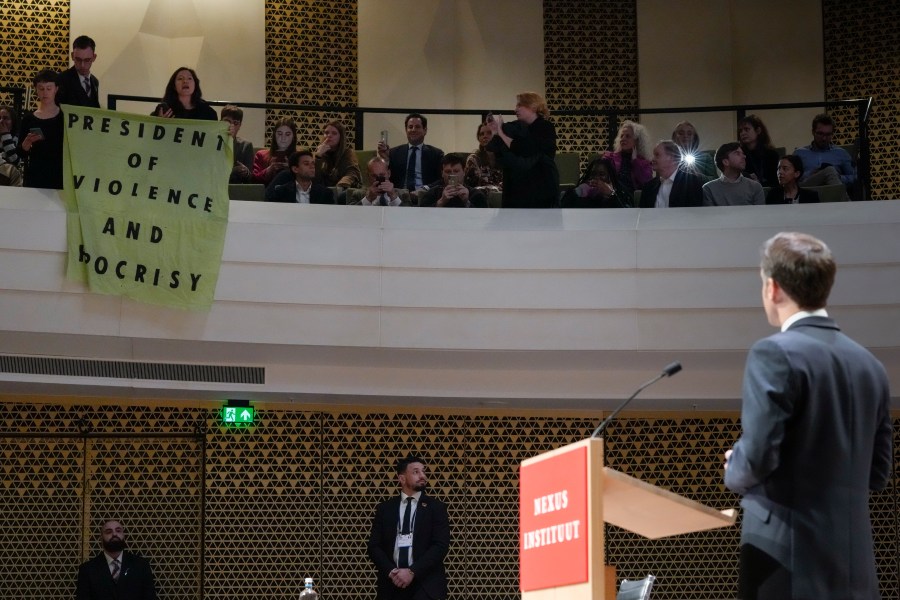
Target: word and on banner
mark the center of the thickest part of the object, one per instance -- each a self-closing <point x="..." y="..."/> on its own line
<point x="147" y="204"/>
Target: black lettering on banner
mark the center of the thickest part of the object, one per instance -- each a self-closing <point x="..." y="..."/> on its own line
<point x="139" y="272"/>
<point x="134" y="160"/>
<point x="101" y="265"/>
<point x="159" y="132"/>
<point x="133" y="230"/>
<point x="220" y="144"/>
<point x="155" y="234"/>
<point x="179" y="133"/>
<point x="83" y="256"/>
<point x="195" y="279"/>
<point x="119" y="266"/>
<point x="110" y="226"/>
<point x="174" y="284"/>
<point x="199" y="139"/>
<point x="104" y="125"/>
<point x="88" y="124"/>
<point x="123" y="128"/>
<point x="78" y="179"/>
<point x="73" y="118"/>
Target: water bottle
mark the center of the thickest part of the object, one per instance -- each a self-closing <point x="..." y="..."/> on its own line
<point x="308" y="593"/>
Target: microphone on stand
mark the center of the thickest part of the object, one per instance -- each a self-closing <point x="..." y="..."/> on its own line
<point x="667" y="371"/>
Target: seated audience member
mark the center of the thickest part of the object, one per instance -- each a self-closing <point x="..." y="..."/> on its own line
<point x="243" y="150"/>
<point x="41" y="136"/>
<point x="790" y="169"/>
<point x="761" y="157"/>
<point x="597" y="188"/>
<point x="693" y="160"/>
<point x="301" y="189"/>
<point x="9" y="175"/>
<point x="415" y="164"/>
<point x="525" y="149"/>
<point x="336" y="162"/>
<point x="732" y="188"/>
<point x="9" y="138"/>
<point x="823" y="162"/>
<point x="183" y="98"/>
<point x="452" y="191"/>
<point x="631" y="155"/>
<point x="268" y="162"/>
<point x="482" y="170"/>
<point x="672" y="187"/>
<point x="381" y="190"/>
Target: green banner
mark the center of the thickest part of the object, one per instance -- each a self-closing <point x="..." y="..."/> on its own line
<point x="147" y="204"/>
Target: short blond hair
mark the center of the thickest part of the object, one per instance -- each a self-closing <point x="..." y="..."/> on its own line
<point x="535" y="102"/>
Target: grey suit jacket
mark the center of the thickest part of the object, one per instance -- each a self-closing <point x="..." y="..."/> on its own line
<point x="816" y="439"/>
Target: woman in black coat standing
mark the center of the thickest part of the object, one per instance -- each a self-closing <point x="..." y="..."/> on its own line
<point x="526" y="149"/>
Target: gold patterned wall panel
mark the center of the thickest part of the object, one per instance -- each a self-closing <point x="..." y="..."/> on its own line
<point x="40" y="514"/>
<point x="154" y="487"/>
<point x="861" y="41"/>
<point x="311" y="58"/>
<point x="264" y="507"/>
<point x="590" y="61"/>
<point x="34" y="35"/>
<point x="293" y="496"/>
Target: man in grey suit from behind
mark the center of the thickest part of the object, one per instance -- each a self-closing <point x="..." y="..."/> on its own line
<point x="816" y="438"/>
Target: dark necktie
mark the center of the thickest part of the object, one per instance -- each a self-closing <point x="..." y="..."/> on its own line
<point x="411" y="169"/>
<point x="87" y="85"/>
<point x="116" y="566"/>
<point x="403" y="558"/>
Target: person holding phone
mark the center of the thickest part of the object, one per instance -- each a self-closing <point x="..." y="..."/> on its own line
<point x="269" y="162"/>
<point x="526" y="149"/>
<point x="452" y="192"/>
<point x="41" y="136"/>
<point x="482" y="170"/>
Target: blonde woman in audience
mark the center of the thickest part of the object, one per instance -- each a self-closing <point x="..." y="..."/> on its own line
<point x="336" y="162"/>
<point x="270" y="161"/>
<point x="631" y="156"/>
<point x="695" y="161"/>
<point x="526" y="148"/>
<point x="482" y="170"/>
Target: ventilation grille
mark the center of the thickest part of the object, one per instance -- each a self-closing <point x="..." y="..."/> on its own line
<point x="116" y="369"/>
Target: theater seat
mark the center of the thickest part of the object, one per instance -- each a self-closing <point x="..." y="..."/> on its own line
<point x="247" y="191"/>
<point x="569" y="167"/>
<point x="829" y="193"/>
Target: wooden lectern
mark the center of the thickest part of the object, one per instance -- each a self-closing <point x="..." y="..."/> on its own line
<point x="566" y="495"/>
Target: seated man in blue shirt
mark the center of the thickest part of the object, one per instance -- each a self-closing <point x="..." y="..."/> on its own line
<point x="823" y="162"/>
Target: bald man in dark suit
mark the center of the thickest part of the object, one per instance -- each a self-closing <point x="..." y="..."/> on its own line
<point x="115" y="574"/>
<point x="816" y="439"/>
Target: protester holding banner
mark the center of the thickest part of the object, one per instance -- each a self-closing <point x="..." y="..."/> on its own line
<point x="268" y="162"/>
<point x="183" y="98"/>
<point x="41" y="136"/>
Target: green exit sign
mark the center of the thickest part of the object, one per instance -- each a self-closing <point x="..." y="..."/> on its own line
<point x="242" y="415"/>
